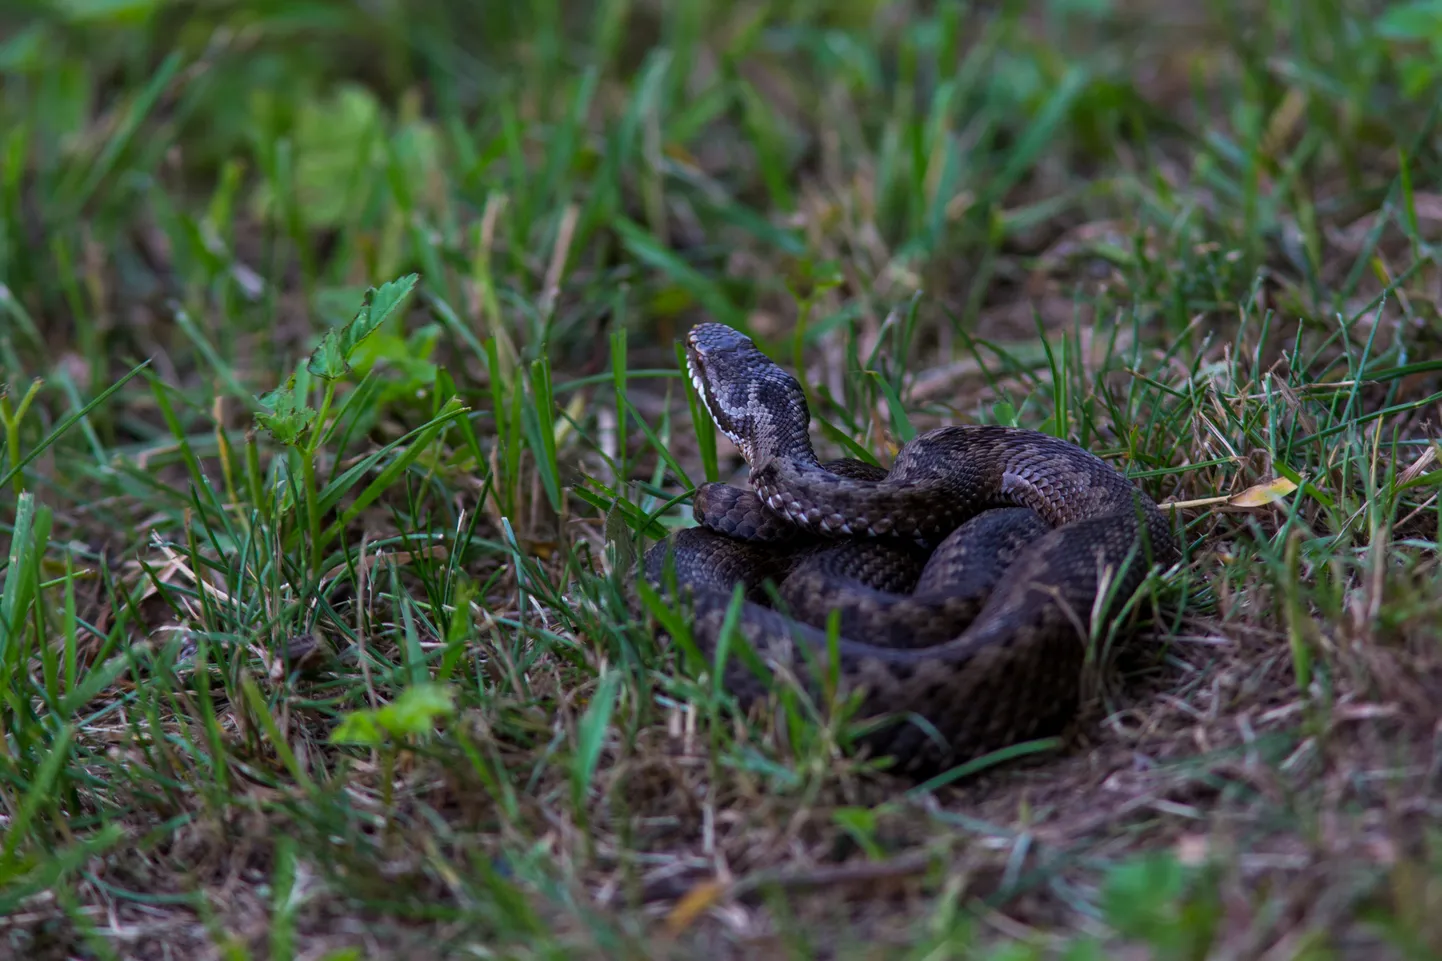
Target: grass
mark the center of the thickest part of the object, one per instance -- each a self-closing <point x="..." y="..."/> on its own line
<point x="317" y="632"/>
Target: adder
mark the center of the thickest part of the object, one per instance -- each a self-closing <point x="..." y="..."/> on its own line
<point x="966" y="578"/>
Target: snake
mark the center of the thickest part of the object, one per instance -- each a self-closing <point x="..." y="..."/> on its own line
<point x="956" y="591"/>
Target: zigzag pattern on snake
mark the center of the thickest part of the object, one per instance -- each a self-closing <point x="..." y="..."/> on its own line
<point x="966" y="576"/>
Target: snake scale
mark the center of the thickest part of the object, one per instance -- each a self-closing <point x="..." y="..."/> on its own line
<point x="965" y="577"/>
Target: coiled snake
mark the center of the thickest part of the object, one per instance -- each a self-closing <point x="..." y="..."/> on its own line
<point x="966" y="577"/>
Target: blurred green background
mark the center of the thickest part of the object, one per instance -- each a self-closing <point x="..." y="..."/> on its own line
<point x="153" y="149"/>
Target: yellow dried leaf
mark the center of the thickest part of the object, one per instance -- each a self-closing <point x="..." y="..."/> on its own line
<point x="1260" y="495"/>
<point x="678" y="152"/>
<point x="690" y="907"/>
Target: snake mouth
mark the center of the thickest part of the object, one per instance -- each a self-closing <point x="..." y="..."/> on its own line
<point x="703" y="391"/>
<point x="696" y="367"/>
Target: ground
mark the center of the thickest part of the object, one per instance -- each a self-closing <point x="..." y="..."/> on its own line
<point x="342" y="388"/>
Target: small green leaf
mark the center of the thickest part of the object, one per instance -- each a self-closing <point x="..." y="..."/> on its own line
<point x="809" y="278"/>
<point x="413" y="713"/>
<point x="284" y="416"/>
<point x="358" y="727"/>
<point x="416" y="710"/>
<point x="344" y="954"/>
<point x="860" y="824"/>
<point x="1004" y="413"/>
<point x="332" y="358"/>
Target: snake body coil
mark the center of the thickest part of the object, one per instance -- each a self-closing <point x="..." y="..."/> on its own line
<point x="966" y="576"/>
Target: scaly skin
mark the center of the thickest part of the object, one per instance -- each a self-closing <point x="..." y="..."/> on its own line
<point x="986" y="640"/>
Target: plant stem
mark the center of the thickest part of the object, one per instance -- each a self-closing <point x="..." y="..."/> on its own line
<point x="312" y="508"/>
<point x="312" y="503"/>
<point x="11" y="420"/>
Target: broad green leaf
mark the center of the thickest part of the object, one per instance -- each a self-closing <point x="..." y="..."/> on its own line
<point x="332" y="358"/>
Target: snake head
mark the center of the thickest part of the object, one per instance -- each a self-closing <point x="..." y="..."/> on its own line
<point x="757" y="405"/>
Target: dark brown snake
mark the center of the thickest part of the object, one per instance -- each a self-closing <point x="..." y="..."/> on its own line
<point x="966" y="577"/>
